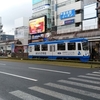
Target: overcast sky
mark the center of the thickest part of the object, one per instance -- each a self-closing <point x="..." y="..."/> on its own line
<point x="13" y="9"/>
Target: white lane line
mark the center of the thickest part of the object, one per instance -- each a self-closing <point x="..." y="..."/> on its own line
<point x="24" y="96"/>
<point x="74" y="90"/>
<point x="92" y="74"/>
<point x="2" y="64"/>
<point x="50" y="70"/>
<point x="80" y="84"/>
<point x="84" y="80"/>
<point x="53" y="93"/>
<point x="83" y="76"/>
<point x="18" y="76"/>
<point x="96" y="72"/>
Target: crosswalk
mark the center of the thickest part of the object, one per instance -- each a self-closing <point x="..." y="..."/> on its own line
<point x="82" y="87"/>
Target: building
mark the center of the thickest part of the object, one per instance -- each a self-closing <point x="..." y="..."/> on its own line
<point x="78" y="18"/>
<point x="71" y="19"/>
<point x="41" y="8"/>
<point x="1" y="26"/>
<point x="69" y="16"/>
<point x="4" y="37"/>
<point x="22" y="30"/>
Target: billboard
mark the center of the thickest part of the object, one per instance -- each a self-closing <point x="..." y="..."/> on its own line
<point x="35" y="1"/>
<point x="90" y="24"/>
<point x="68" y="22"/>
<point x="67" y="14"/>
<point x="90" y="11"/>
<point x="38" y="25"/>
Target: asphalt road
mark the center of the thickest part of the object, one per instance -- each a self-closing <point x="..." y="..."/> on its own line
<point x="24" y="81"/>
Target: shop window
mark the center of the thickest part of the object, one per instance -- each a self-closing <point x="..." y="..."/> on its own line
<point x="37" y="47"/>
<point x="71" y="46"/>
<point x="44" y="47"/>
<point x="61" y="46"/>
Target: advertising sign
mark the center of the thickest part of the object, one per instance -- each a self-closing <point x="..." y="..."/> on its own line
<point x="46" y="6"/>
<point x="90" y="24"/>
<point x="36" y="1"/>
<point x="90" y="11"/>
<point x="36" y="36"/>
<point x="38" y="25"/>
<point x="68" y="22"/>
<point x="67" y="14"/>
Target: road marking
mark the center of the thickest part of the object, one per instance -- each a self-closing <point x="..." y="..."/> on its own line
<point x="96" y="72"/>
<point x="80" y="84"/>
<point x="2" y="64"/>
<point x="50" y="70"/>
<point x="84" y="80"/>
<point x="18" y="76"/>
<point x="53" y="93"/>
<point x="24" y="96"/>
<point x="83" y="76"/>
<point x="74" y="90"/>
<point x="92" y="74"/>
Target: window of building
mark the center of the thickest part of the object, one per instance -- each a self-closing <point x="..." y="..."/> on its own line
<point x="79" y="46"/>
<point x="9" y="46"/>
<point x="78" y="11"/>
<point x="44" y="47"/>
<point x="61" y="4"/>
<point x="71" y="46"/>
<point x="37" y="47"/>
<point x="78" y="24"/>
<point x="77" y="0"/>
<point x="61" y="46"/>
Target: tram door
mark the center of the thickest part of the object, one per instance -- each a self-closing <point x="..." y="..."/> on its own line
<point x="52" y="50"/>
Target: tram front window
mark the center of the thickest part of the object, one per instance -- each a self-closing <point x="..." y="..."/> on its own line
<point x="85" y="45"/>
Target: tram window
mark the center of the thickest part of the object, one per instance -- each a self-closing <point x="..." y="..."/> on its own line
<point x="37" y="47"/>
<point x="44" y="47"/>
<point x="85" y="46"/>
<point x="71" y="46"/>
<point x="61" y="46"/>
<point x="79" y="46"/>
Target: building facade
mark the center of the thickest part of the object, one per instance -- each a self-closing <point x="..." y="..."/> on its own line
<point x="78" y="18"/>
<point x="22" y="30"/>
<point x="69" y="16"/>
<point x="71" y="19"/>
<point x="41" y="8"/>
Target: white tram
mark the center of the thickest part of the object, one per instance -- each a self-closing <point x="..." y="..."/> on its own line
<point x="76" y="48"/>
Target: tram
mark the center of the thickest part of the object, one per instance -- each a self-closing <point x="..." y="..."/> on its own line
<point x="75" y="48"/>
